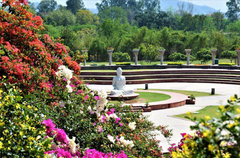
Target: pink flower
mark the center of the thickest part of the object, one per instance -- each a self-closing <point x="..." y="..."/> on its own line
<point x="121" y="124"/>
<point x="94" y="124"/>
<point x="111" y="111"/>
<point x="61" y="136"/>
<point x="117" y="119"/>
<point x="100" y="129"/>
<point x="96" y="97"/>
<point x="86" y="97"/>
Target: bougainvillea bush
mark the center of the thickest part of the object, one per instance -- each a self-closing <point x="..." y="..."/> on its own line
<point x="45" y="109"/>
<point x="213" y="137"/>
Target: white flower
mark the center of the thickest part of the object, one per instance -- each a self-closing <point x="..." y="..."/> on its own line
<point x="102" y="94"/>
<point x="89" y="108"/>
<point x="113" y="116"/>
<point x="126" y="143"/>
<point x="64" y="71"/>
<point x="72" y="145"/>
<point x="107" y="117"/>
<point x="111" y="138"/>
<point x="61" y="103"/>
<point x="132" y="125"/>
<point x="69" y="88"/>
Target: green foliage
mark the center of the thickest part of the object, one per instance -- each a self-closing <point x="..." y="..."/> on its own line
<point x="149" y="52"/>
<point x="61" y="17"/>
<point x="20" y="125"/>
<point x="46" y="6"/>
<point x="233" y="9"/>
<point x="226" y="64"/>
<point x="74" y="5"/>
<point x="123" y="63"/>
<point x="229" y="55"/>
<point x="175" y="63"/>
<point x="177" y="57"/>
<point x="204" y="55"/>
<point x="121" y="57"/>
<point x="215" y="137"/>
<point x="86" y="17"/>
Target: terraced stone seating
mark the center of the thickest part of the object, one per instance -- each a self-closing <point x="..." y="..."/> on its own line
<point x="221" y="76"/>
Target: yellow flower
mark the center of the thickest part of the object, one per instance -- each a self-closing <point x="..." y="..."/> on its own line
<point x="206" y="133"/>
<point x="210" y="147"/>
<point x="227" y="155"/>
<point x="1" y="145"/>
<point x="230" y="125"/>
<point x="238" y="110"/>
<point x="232" y="98"/>
<point x="207" y="117"/>
<point x="188" y="113"/>
<point x="4" y="76"/>
<point x="17" y="105"/>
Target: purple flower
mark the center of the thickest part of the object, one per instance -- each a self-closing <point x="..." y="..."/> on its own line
<point x="96" y="97"/>
<point x="94" y="124"/>
<point x="100" y="129"/>
<point x="121" y="124"/>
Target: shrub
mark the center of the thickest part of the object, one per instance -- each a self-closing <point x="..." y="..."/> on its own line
<point x="226" y="64"/>
<point x="177" y="57"/>
<point x="175" y="63"/>
<point x="121" y="57"/>
<point x="231" y="55"/>
<point x="204" y="55"/>
<point x="214" y="137"/>
<point x="21" y="132"/>
<point x="123" y="63"/>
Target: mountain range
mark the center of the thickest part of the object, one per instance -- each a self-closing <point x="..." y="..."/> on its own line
<point x="171" y="5"/>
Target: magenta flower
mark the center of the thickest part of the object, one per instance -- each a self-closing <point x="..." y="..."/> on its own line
<point x="96" y="97"/>
<point x="94" y="124"/>
<point x="86" y="97"/>
<point x="121" y="124"/>
<point x="100" y="129"/>
<point x="117" y="119"/>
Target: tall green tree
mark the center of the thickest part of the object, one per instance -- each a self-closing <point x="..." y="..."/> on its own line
<point x="233" y="10"/>
<point x="75" y="5"/>
<point x="218" y="19"/>
<point x="46" y="6"/>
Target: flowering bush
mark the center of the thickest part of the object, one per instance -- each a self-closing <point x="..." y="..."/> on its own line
<point x="214" y="137"/>
<point x="26" y="57"/>
<point x="44" y="71"/>
<point x="21" y="132"/>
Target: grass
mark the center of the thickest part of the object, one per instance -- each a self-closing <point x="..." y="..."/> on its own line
<point x="195" y="93"/>
<point x="207" y="111"/>
<point x="144" y="62"/>
<point x="153" y="97"/>
<point x="145" y="97"/>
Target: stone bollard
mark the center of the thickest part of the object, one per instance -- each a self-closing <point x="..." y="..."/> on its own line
<point x="238" y="53"/>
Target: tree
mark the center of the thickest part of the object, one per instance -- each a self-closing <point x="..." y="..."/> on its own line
<point x="233" y="10"/>
<point x="75" y="5"/>
<point x="46" y="6"/>
<point x="231" y="55"/>
<point x="204" y="55"/>
<point x="61" y="18"/>
<point x="114" y="13"/>
<point x="177" y="57"/>
<point x="86" y="17"/>
<point x="218" y="19"/>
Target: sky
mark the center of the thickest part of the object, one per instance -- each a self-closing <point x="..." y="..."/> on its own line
<point x="216" y="4"/>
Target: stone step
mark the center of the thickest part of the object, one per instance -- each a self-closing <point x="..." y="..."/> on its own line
<point x="154" y="76"/>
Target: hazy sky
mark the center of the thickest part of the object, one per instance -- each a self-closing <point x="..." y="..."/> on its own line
<point x="217" y="4"/>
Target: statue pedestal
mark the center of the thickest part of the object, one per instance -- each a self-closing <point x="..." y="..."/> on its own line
<point x="123" y="97"/>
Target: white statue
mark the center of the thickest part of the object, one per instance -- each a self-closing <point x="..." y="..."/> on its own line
<point x="119" y="83"/>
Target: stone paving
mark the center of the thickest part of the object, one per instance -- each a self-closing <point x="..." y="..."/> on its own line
<point x="165" y="117"/>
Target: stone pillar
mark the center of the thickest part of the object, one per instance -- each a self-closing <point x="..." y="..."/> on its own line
<point x="238" y="53"/>
<point x="135" y="52"/>
<point x="213" y="55"/>
<point x="110" y="56"/>
<point x="188" y="52"/>
<point x="84" y="51"/>
<point x="161" y="51"/>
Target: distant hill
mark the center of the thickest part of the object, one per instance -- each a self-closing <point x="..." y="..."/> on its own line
<point x="197" y="9"/>
<point x="166" y="4"/>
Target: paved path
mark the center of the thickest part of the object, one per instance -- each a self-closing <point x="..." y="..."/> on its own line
<point x="165" y="117"/>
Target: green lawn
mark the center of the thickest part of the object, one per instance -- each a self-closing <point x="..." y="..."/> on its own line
<point x="195" y="93"/>
<point x="144" y="62"/>
<point x="207" y="111"/>
<point x="153" y="97"/>
<point x="147" y="97"/>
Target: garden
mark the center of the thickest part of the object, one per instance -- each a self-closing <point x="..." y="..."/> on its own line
<point x="47" y="111"/>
